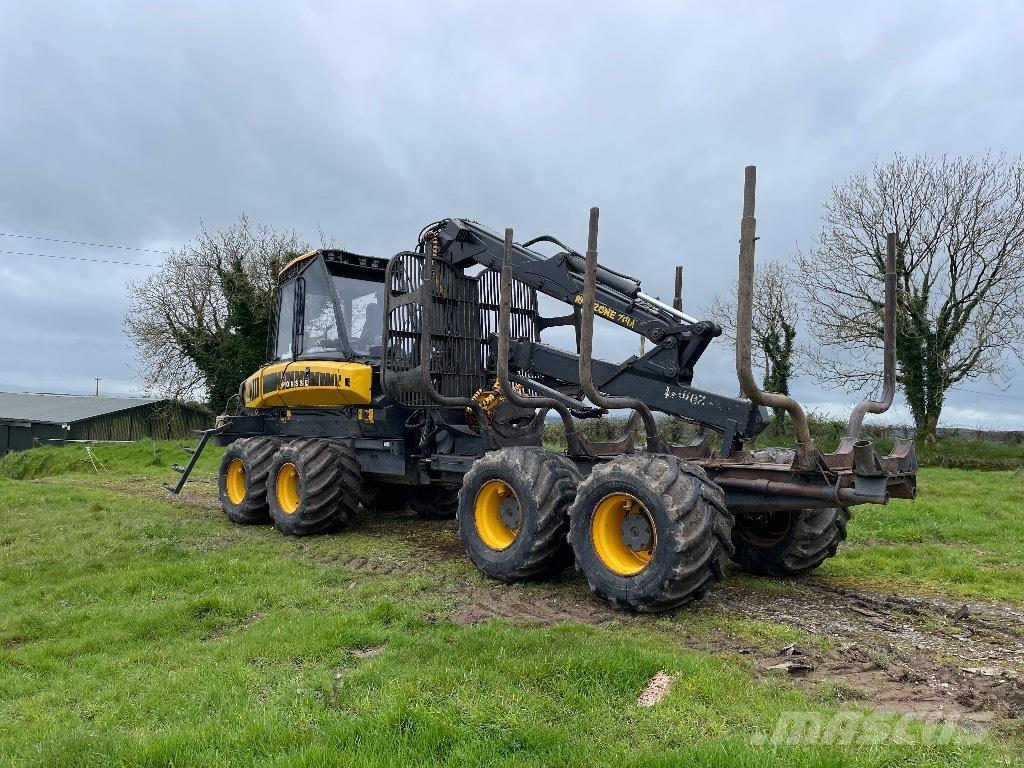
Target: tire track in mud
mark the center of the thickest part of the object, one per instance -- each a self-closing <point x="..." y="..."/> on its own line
<point x="972" y="631"/>
<point x="911" y="654"/>
<point x="380" y="566"/>
<point x="545" y="608"/>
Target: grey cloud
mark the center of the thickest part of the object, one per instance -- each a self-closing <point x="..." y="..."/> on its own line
<point x="130" y="123"/>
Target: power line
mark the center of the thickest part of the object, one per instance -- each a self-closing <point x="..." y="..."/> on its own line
<point x="987" y="394"/>
<point x="80" y="242"/>
<point x="79" y="258"/>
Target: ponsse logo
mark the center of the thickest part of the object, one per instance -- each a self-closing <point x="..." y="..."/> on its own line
<point x="295" y="379"/>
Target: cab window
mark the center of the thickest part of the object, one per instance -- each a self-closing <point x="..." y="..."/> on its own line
<point x="285" y="318"/>
<point x="362" y="312"/>
<point x="319" y="318"/>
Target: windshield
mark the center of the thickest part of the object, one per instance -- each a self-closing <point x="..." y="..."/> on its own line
<point x="336" y="316"/>
<point x="319" y="320"/>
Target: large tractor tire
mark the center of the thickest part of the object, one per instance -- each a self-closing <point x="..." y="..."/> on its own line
<point x="513" y="512"/>
<point x="242" y="480"/>
<point x="314" y="486"/>
<point x="790" y="542"/>
<point x="434" y="502"/>
<point x="650" y="532"/>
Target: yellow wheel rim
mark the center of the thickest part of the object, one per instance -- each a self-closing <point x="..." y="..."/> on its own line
<point x="288" y="489"/>
<point x="498" y="515"/>
<point x="234" y="481"/>
<point x="624" y="534"/>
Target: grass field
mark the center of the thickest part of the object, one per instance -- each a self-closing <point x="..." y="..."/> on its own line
<point x="963" y="535"/>
<point x="139" y="631"/>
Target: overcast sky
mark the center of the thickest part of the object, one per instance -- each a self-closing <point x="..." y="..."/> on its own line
<point x="130" y="123"/>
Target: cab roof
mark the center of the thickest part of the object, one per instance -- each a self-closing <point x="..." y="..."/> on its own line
<point x="365" y="267"/>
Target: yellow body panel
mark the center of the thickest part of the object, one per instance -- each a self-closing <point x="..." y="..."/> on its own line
<point x="298" y="259"/>
<point x="309" y="384"/>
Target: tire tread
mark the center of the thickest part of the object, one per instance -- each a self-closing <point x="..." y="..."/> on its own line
<point x="554" y="481"/>
<point x="700" y="524"/>
<point x="332" y="486"/>
<point x="814" y="537"/>
<point x="257" y="454"/>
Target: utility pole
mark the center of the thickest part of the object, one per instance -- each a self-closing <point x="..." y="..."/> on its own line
<point x="98" y="380"/>
<point x="677" y="301"/>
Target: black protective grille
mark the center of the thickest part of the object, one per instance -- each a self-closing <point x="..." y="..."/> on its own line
<point x="464" y="316"/>
<point x="522" y="318"/>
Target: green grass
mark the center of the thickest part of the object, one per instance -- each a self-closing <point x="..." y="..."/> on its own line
<point x="134" y="631"/>
<point x="144" y="458"/>
<point x="963" y="535"/>
<point x="958" y="453"/>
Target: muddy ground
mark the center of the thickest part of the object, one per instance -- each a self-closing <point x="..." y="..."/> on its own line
<point x="884" y="651"/>
<point x="877" y="649"/>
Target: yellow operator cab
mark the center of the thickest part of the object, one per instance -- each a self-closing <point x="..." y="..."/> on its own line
<point x="326" y="335"/>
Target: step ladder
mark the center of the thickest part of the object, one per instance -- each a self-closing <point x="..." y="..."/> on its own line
<point x="186" y="470"/>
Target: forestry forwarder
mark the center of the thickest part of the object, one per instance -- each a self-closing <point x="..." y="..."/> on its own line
<point x="422" y="380"/>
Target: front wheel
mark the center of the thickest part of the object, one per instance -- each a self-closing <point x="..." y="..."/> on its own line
<point x="242" y="480"/>
<point x="788" y="542"/>
<point x="315" y="485"/>
<point x="650" y="532"/>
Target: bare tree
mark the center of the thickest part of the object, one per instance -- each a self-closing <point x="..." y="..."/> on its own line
<point x="775" y="319"/>
<point x="180" y="317"/>
<point x="959" y="224"/>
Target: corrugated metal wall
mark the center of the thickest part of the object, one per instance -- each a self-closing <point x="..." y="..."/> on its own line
<point x="21" y="435"/>
<point x="163" y="421"/>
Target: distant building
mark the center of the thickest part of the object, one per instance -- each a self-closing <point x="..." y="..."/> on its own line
<point x="29" y="419"/>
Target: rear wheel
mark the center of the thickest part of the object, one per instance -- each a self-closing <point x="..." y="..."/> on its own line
<point x="650" y="532"/>
<point x="242" y="480"/>
<point x="314" y="486"/>
<point x="513" y="512"/>
<point x="788" y="542"/>
<point x="434" y="502"/>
